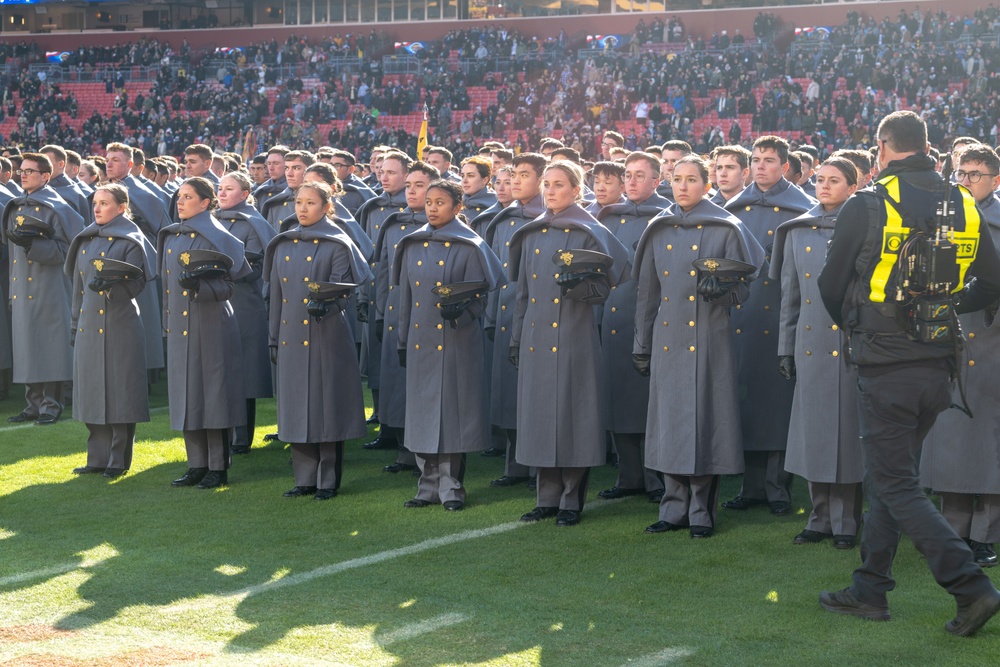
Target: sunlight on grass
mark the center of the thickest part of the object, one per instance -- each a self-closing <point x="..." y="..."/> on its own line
<point x="39" y="470"/>
<point x="772" y="596"/>
<point x="280" y="574"/>
<point x="408" y="603"/>
<point x="45" y="602"/>
<point x="97" y="555"/>
<point x="555" y="627"/>
<point x="6" y="534"/>
<point x="231" y="570"/>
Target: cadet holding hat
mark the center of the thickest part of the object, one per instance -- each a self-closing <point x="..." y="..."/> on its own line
<point x="312" y="269"/>
<point x="245" y="223"/>
<point x="556" y="346"/>
<point x="199" y="260"/>
<point x="110" y="263"/>
<point x="444" y="272"/>
<point x="692" y="263"/>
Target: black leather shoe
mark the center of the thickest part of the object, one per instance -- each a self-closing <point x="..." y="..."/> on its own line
<point x="380" y="443"/>
<point x="113" y="473"/>
<point x="270" y="437"/>
<point x="701" y="531"/>
<point x="655" y="496"/>
<point x="214" y="479"/>
<point x="45" y="420"/>
<point x="567" y="518"/>
<point x="810" y="537"/>
<point x="663" y="527"/>
<point x="373" y="420"/>
<point x="326" y="494"/>
<point x="191" y="477"/>
<point x="417" y="502"/>
<point x="492" y="453"/>
<point x="843" y="542"/>
<point x="781" y="508"/>
<point x="508" y="481"/>
<point x="398" y="467"/>
<point x="845" y="602"/>
<point x="983" y="553"/>
<point x="21" y="418"/>
<point x="740" y="503"/>
<point x="454" y="505"/>
<point x="618" y="492"/>
<point x="973" y="615"/>
<point x="299" y="491"/>
<point x="87" y="470"/>
<point x="242" y="449"/>
<point x="539" y="513"/>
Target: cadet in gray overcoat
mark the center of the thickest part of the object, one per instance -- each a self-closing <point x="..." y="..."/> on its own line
<point x="684" y="342"/>
<point x="627" y="396"/>
<point x="205" y="373"/>
<point x="555" y="342"/>
<point x="40" y="292"/>
<point x="441" y="345"/>
<point x="318" y="381"/>
<point x="245" y="223"/>
<point x="959" y="459"/>
<point x="499" y="316"/>
<point x="765" y="397"/>
<point x="392" y="380"/>
<point x="823" y="444"/>
<point x="109" y="369"/>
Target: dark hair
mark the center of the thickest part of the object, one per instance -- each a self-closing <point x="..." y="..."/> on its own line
<point x="503" y="154"/>
<point x="201" y="150"/>
<point x="328" y="174"/>
<point x="677" y="145"/>
<point x="648" y="158"/>
<point x="43" y="161"/>
<point x="58" y="151"/>
<point x="278" y="150"/>
<point x="400" y="157"/>
<point x="741" y="155"/>
<point x="204" y="188"/>
<point x="73" y="158"/>
<point x="420" y="166"/>
<point x="904" y="131"/>
<point x="119" y="192"/>
<point x="773" y="143"/>
<point x="305" y="157"/>
<point x="260" y="158"/>
<point x="324" y="190"/>
<point x="346" y="156"/>
<point x="653" y="150"/>
<point x="483" y="165"/>
<point x="615" y="136"/>
<point x="454" y="190"/>
<point x="860" y="159"/>
<point x="811" y="150"/>
<point x="614" y="169"/>
<point x="981" y="153"/>
<point x="438" y="150"/>
<point x="697" y="161"/>
<point x="958" y="141"/>
<point x="549" y="142"/>
<point x="118" y="147"/>
<point x="794" y="165"/>
<point x="804" y="158"/>
<point x="846" y="167"/>
<point x="570" y="154"/>
<point x="139" y="157"/>
<point x="537" y="161"/>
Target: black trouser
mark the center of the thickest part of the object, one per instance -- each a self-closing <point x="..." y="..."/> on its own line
<point x="896" y="409"/>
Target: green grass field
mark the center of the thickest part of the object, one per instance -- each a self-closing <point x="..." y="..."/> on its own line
<point x="134" y="572"/>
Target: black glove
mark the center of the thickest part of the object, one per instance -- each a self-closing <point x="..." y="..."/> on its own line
<point x="990" y="314"/>
<point x="318" y="309"/>
<point x="491" y="333"/>
<point x="402" y="357"/>
<point x="21" y="240"/>
<point x="711" y="287"/>
<point x="274" y="354"/>
<point x="641" y="364"/>
<point x="451" y="313"/>
<point x="379" y="330"/>
<point x="786" y="366"/>
<point x="569" y="280"/>
<point x="362" y="311"/>
<point x="189" y="281"/>
<point x="514" y="356"/>
<point x="99" y="284"/>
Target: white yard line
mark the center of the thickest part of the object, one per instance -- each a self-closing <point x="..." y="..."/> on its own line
<point x="665" y="657"/>
<point x="412" y="630"/>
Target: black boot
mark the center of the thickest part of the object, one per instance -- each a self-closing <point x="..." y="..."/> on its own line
<point x="191" y="477"/>
<point x="214" y="479"/>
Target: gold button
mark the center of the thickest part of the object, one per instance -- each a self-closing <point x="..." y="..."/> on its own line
<point x="534" y="276"/>
<point x="305" y="321"/>
<point x="420" y="263"/>
<point x="808" y="300"/>
<point x="972" y="362"/>
<point x="767" y="307"/>
<point x="971" y="334"/>
<point x="666" y="298"/>
<point x="770" y="232"/>
<point x="748" y="208"/>
<point x="184" y="293"/>
<point x="100" y="312"/>
<point x="766" y="332"/>
<point x="416" y="325"/>
<point x="185" y="333"/>
<point x="417" y="283"/>
<point x="670" y="247"/>
<point x="809" y="249"/>
<point x="691" y="323"/>
<point x="307" y="301"/>
<point x="555" y="325"/>
<point x="184" y="313"/>
<point x="691" y="349"/>
<point x="503" y="307"/>
<point x="440" y="262"/>
<point x="439" y="326"/>
<point x="530" y="349"/>
<point x="808" y="328"/>
<point x="693" y="272"/>
<point x="287" y="258"/>
<point x="766" y="283"/>
<point x="664" y="324"/>
<point x="447" y="244"/>
<point x="835" y="328"/>
<point x="285" y="280"/>
<point x="305" y="343"/>
<point x="537" y="251"/>
<point x="776" y="209"/>
<point x="100" y="331"/>
<point x="835" y="353"/>
<point x="501" y="328"/>
<point x="416" y="347"/>
<point x="694" y="247"/>
<point x="613" y="309"/>
<point x="664" y="348"/>
<point x="532" y="299"/>
<point x="808" y="275"/>
<point x="690" y="298"/>
<point x="667" y="273"/>
<point x="390" y="328"/>
<point x="309" y="258"/>
<point x="416" y="304"/>
<point x="426" y="244"/>
<point x="808" y="353"/>
<point x="554" y="349"/>
<point x="440" y="348"/>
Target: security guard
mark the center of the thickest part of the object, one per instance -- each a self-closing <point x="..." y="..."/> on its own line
<point x="903" y="383"/>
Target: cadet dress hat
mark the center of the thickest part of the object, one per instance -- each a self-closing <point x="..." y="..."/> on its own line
<point x="456" y="297"/>
<point x="202" y="262"/>
<point x="580" y="261"/>
<point x="25" y="226"/>
<point x="320" y="291"/>
<point x="726" y="270"/>
<point x="113" y="269"/>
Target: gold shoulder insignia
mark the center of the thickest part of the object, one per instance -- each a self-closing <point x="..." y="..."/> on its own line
<point x="185" y="258"/>
<point x="711" y="265"/>
<point x="567" y="258"/>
